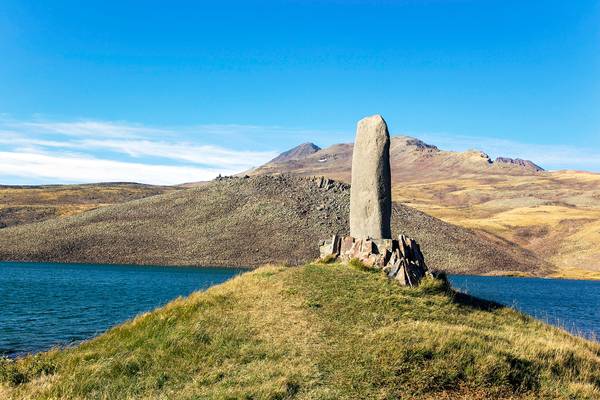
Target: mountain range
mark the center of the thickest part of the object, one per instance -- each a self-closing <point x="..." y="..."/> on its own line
<point x="410" y="159"/>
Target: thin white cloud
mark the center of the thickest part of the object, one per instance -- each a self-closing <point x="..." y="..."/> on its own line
<point x="90" y="129"/>
<point x="17" y="139"/>
<point x="184" y="151"/>
<point x="124" y="130"/>
<point x="73" y="168"/>
<point x="108" y="151"/>
<point x="198" y="154"/>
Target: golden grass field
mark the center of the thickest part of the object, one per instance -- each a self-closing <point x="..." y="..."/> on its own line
<point x="26" y="204"/>
<point x="554" y="214"/>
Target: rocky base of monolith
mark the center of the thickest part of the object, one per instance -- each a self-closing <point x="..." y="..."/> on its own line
<point x="401" y="260"/>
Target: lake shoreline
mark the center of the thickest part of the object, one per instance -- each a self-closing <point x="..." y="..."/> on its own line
<point x="510" y="274"/>
<point x="560" y="314"/>
<point x="60" y="305"/>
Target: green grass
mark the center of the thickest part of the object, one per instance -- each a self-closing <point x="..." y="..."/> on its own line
<point x="317" y="332"/>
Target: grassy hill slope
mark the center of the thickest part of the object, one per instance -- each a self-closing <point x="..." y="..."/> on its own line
<point x="245" y="222"/>
<point x="26" y="204"/>
<point x="317" y="332"/>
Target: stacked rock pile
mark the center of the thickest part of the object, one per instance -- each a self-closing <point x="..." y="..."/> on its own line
<point x="401" y="259"/>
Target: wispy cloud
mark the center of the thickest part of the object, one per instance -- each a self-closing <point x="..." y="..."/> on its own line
<point x="74" y="168"/>
<point x="89" y="129"/>
<point x="197" y="154"/>
<point x="92" y="151"/>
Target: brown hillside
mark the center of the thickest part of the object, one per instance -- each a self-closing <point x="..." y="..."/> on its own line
<point x="411" y="159"/>
<point x="245" y="222"/>
<point x="556" y="215"/>
<point x="297" y="153"/>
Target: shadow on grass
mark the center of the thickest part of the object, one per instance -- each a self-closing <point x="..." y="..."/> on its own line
<point x="466" y="300"/>
<point x="441" y="284"/>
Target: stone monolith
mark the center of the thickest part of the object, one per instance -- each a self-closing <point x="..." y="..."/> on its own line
<point x="370" y="194"/>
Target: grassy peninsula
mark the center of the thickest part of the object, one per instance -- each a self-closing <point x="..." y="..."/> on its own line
<point x="317" y="332"/>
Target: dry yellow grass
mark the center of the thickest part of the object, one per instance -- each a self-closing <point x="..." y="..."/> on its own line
<point x="26" y="204"/>
<point x="554" y="214"/>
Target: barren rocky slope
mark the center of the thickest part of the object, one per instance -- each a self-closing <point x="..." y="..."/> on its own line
<point x="246" y="222"/>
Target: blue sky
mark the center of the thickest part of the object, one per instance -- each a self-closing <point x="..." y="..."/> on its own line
<point x="168" y="92"/>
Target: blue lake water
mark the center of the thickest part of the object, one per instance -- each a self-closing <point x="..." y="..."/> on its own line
<point x="47" y="305"/>
<point x="571" y="304"/>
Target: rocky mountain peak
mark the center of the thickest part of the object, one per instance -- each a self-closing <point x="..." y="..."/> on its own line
<point x="518" y="162"/>
<point x="297" y="153"/>
<point x="419" y="144"/>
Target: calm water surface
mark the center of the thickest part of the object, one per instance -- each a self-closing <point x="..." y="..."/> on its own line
<point x="46" y="305"/>
<point x="570" y="304"/>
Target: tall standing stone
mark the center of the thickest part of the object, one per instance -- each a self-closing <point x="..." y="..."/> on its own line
<point x="371" y="191"/>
